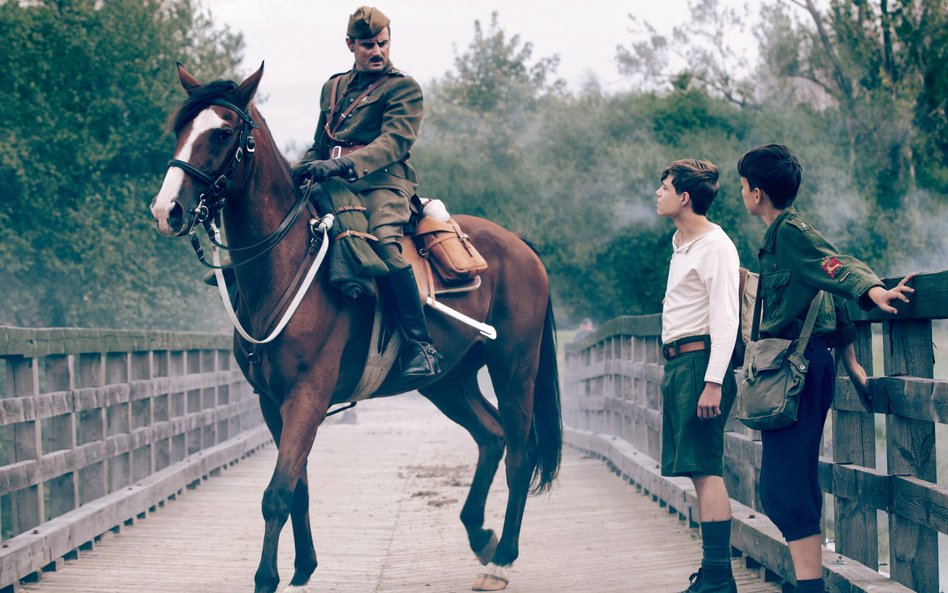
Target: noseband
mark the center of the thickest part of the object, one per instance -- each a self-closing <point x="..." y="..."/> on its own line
<point x="214" y="196"/>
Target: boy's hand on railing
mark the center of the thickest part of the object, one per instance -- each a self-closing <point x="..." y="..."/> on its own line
<point x="883" y="298"/>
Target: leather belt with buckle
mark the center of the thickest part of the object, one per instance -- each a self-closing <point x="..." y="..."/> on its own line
<point x="690" y="344"/>
<point x="339" y="150"/>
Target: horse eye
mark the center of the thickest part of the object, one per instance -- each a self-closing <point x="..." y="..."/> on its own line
<point x="225" y="133"/>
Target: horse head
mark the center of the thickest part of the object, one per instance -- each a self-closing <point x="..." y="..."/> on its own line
<point x="214" y="139"/>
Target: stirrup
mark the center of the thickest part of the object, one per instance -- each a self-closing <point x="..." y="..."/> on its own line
<point x="424" y="360"/>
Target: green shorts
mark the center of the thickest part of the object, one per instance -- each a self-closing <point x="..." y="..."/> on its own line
<point x="690" y="445"/>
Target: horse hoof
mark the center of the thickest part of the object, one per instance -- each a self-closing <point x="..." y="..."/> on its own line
<point x="296" y="589"/>
<point x="495" y="580"/>
<point x="486" y="553"/>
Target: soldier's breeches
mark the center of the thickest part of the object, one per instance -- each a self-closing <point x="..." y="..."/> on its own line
<point x="389" y="249"/>
<point x="789" y="468"/>
<point x="387" y="212"/>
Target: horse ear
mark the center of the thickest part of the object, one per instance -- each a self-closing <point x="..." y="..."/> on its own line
<point x="248" y="87"/>
<point x="187" y="81"/>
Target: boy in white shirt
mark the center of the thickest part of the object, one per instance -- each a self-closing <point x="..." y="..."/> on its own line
<point x="699" y="328"/>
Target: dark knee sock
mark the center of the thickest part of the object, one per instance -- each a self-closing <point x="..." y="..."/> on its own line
<point x="716" y="546"/>
<point x="811" y="586"/>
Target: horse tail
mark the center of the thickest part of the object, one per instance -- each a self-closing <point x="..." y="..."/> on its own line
<point x="547" y="418"/>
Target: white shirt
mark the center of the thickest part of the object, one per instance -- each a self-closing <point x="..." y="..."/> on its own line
<point x="701" y="296"/>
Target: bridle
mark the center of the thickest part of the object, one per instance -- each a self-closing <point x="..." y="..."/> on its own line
<point x="214" y="197"/>
<point x="211" y="202"/>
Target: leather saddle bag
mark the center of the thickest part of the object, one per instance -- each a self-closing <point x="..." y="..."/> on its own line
<point x="448" y="249"/>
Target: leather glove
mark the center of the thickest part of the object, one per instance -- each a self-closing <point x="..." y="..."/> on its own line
<point x="322" y="170"/>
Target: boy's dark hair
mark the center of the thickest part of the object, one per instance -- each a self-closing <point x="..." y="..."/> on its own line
<point x="774" y="169"/>
<point x="698" y="178"/>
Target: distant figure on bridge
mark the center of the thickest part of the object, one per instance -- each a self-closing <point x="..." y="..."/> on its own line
<point x="586" y="327"/>
<point x="699" y="329"/>
<point x="795" y="263"/>
<point x="368" y="121"/>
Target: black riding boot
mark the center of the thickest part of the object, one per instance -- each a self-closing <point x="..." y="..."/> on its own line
<point x="417" y="358"/>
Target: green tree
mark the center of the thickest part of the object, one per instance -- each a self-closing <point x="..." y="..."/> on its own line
<point x="495" y="73"/>
<point x="87" y="87"/>
<point x="873" y="61"/>
<point x="479" y="120"/>
<point x="704" y="50"/>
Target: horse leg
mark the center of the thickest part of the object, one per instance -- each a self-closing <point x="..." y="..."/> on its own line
<point x="301" y="416"/>
<point x="299" y="513"/>
<point x="305" y="562"/>
<point x="514" y="389"/>
<point x="459" y="398"/>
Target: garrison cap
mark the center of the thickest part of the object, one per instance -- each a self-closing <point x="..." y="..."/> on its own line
<point x="365" y="22"/>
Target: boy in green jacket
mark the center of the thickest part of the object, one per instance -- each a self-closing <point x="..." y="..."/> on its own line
<point x="795" y="263"/>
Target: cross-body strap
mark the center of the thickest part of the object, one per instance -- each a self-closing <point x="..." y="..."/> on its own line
<point x="804" y="338"/>
<point x="755" y="326"/>
<point x="331" y="124"/>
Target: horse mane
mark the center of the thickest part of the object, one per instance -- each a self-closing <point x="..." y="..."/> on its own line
<point x="199" y="99"/>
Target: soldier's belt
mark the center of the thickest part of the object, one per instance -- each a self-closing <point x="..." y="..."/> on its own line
<point x="339" y="150"/>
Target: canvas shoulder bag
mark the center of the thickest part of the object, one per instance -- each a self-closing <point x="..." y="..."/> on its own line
<point x="768" y="393"/>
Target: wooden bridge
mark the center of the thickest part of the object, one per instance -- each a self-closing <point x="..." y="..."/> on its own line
<point x="135" y="461"/>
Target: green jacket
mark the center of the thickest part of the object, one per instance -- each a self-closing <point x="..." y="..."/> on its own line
<point x="795" y="263"/>
<point x="385" y="121"/>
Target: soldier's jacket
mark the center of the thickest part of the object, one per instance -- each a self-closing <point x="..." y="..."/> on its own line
<point x="386" y="122"/>
<point x="795" y="263"/>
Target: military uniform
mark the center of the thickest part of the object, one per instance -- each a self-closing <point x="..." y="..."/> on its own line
<point x="795" y="263"/>
<point x="381" y="127"/>
<point x="368" y="122"/>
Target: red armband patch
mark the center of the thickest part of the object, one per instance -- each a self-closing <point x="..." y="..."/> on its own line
<point x="831" y="266"/>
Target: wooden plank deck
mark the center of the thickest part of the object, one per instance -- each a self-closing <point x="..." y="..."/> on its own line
<point x="387" y="492"/>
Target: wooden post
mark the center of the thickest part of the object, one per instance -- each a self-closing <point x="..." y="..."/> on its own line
<point x="854" y="442"/>
<point x="93" y="479"/>
<point x="653" y="394"/>
<point x="913" y="548"/>
<point x="63" y="491"/>
<point x="142" y="414"/>
<point x="26" y="505"/>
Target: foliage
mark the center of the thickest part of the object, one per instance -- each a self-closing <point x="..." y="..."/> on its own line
<point x="707" y="54"/>
<point x="577" y="173"/>
<point x="875" y="61"/>
<point x="86" y="89"/>
<point x="87" y="86"/>
<point x="494" y="73"/>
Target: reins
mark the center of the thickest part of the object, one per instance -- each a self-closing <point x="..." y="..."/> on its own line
<point x="206" y="214"/>
<point x="323" y="227"/>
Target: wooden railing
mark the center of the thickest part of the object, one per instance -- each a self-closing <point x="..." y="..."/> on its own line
<point x="612" y="408"/>
<point x="100" y="427"/>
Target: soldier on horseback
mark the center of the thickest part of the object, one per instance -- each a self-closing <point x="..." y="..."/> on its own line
<point x="368" y="121"/>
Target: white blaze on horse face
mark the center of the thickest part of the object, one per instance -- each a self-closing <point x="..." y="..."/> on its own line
<point x="162" y="204"/>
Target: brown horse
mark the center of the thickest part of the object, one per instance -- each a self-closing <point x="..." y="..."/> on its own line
<point x="226" y="161"/>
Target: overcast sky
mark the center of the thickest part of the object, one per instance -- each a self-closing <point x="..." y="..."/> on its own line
<point x="303" y="42"/>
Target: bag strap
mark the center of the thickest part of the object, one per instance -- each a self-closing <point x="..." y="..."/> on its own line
<point x="804" y="338"/>
<point x="755" y="327"/>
